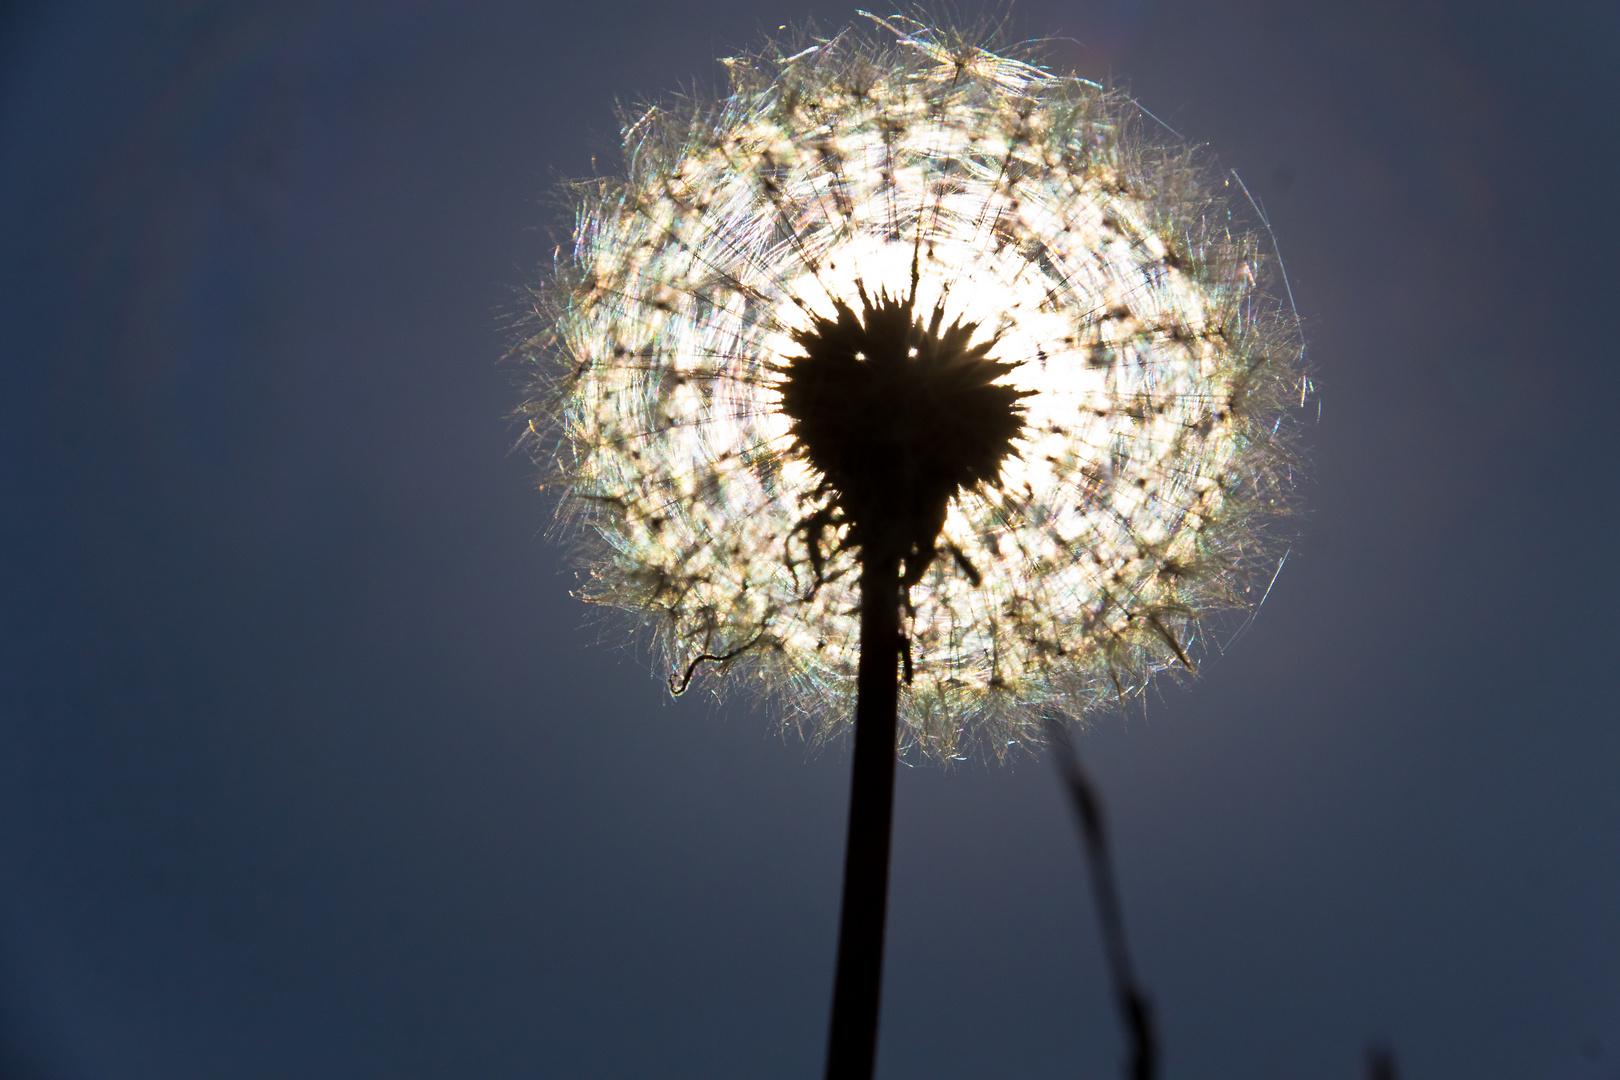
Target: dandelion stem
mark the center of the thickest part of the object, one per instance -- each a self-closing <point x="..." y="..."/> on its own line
<point x="857" y="988"/>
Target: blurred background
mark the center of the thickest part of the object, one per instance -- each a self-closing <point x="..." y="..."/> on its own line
<point x="311" y="766"/>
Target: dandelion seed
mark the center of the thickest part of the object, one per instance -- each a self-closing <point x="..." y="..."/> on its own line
<point x="909" y="357"/>
<point x="1093" y="273"/>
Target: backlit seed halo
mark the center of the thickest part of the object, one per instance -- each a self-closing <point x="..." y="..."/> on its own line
<point x="1151" y="367"/>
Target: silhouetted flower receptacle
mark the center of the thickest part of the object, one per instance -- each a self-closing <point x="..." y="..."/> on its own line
<point x="915" y="298"/>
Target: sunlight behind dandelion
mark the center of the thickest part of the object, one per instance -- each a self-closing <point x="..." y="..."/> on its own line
<point x="1152" y="364"/>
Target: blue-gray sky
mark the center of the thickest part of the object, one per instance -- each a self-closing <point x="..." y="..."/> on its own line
<point x="310" y="765"/>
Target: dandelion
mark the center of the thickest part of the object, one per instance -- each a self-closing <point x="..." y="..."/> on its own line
<point x="914" y="374"/>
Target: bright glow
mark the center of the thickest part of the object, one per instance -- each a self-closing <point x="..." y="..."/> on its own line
<point x="1105" y="267"/>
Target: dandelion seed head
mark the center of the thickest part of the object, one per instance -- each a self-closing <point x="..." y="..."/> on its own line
<point x="1140" y="364"/>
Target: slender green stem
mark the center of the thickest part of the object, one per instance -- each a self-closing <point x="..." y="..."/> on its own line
<point x="1135" y="1008"/>
<point x="857" y="988"/>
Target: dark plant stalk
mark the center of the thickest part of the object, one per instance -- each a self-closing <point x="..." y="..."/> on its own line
<point x="1135" y="1010"/>
<point x="857" y="987"/>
